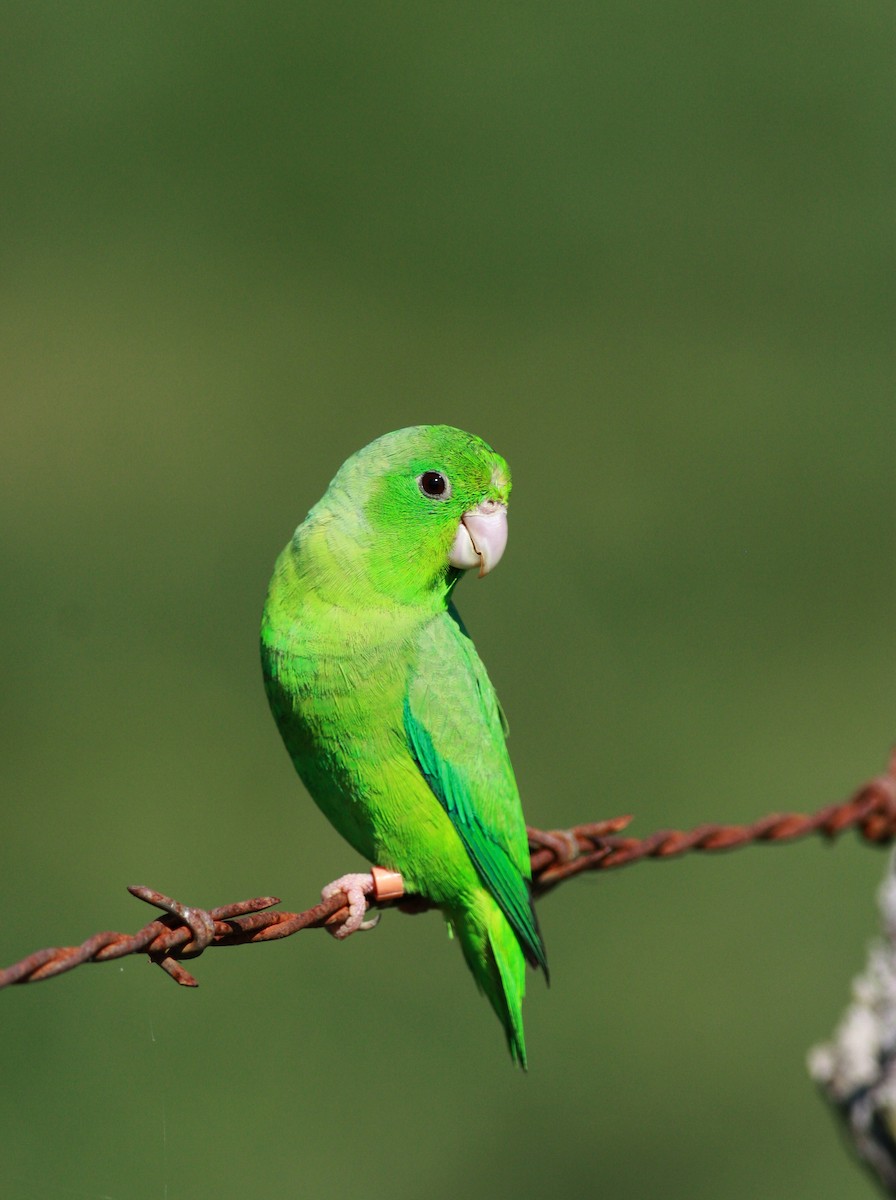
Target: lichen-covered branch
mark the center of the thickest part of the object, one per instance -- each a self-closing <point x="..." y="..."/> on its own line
<point x="856" y="1070"/>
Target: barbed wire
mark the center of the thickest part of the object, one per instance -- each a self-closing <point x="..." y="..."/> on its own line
<point x="556" y="855"/>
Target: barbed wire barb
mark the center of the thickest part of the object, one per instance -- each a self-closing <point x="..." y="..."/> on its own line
<point x="185" y="931"/>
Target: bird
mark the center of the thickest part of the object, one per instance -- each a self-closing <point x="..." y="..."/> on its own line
<point x="385" y="706"/>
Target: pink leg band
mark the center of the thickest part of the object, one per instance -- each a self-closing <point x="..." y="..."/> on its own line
<point x="387" y="885"/>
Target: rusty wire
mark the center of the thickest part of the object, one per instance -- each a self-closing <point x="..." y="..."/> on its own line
<point x="185" y="931"/>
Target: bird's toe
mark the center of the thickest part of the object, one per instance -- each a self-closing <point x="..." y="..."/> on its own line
<point x="356" y="888"/>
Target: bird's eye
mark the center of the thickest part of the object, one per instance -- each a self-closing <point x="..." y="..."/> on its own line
<point x="434" y="484"/>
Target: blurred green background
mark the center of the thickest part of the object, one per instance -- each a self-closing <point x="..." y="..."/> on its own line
<point x="646" y="251"/>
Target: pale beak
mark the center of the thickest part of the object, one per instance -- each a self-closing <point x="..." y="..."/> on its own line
<point x="481" y="537"/>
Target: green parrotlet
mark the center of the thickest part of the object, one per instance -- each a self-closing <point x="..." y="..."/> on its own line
<point x="385" y="706"/>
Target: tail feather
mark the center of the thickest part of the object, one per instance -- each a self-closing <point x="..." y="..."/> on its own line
<point x="497" y="963"/>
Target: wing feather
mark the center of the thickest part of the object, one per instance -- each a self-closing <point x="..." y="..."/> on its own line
<point x="455" y="732"/>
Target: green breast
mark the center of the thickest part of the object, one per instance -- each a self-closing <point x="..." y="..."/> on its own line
<point x="336" y="687"/>
<point x="336" y="673"/>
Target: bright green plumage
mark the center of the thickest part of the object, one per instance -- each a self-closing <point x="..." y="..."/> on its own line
<point x="384" y="704"/>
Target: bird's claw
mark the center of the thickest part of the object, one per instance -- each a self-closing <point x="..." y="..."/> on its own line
<point x="356" y="889"/>
<point x="381" y="884"/>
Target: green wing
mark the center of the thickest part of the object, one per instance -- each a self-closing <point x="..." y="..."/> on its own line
<point x="454" y="727"/>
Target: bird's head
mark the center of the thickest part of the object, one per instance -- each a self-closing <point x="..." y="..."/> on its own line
<point x="411" y="510"/>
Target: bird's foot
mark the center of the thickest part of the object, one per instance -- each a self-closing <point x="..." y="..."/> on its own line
<point x="356" y="889"/>
<point x="380" y="884"/>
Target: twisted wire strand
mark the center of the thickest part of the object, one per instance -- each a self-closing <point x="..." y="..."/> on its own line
<point x="185" y="931"/>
